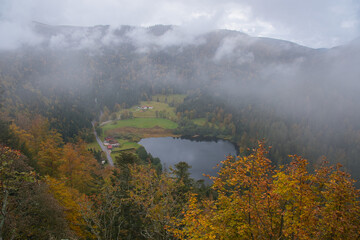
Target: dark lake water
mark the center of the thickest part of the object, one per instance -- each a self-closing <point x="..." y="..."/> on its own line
<point x="201" y="155"/>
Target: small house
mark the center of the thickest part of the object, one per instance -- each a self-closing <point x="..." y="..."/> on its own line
<point x="114" y="143"/>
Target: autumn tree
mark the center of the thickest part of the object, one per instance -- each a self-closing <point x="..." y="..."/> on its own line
<point x="121" y="181"/>
<point x="70" y="198"/>
<point x="322" y="205"/>
<point x="255" y="201"/>
<point x="43" y="143"/>
<point x="340" y="207"/>
<point x="103" y="212"/>
<point x="36" y="214"/>
<point x="185" y="182"/>
<point x="157" y="200"/>
<point x="49" y="155"/>
<point x="12" y="174"/>
<point x="28" y="210"/>
<point x="79" y="168"/>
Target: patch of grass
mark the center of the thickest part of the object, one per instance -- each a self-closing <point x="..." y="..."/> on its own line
<point x="154" y="122"/>
<point x="141" y="123"/>
<point x="202" y="121"/>
<point x="94" y="145"/>
<point x="138" y="133"/>
<point x="113" y="155"/>
<point x="159" y="108"/>
<point x="199" y="121"/>
<point x="128" y="145"/>
<point x="124" y="144"/>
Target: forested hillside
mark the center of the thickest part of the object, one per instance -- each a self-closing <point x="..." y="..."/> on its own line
<point x="244" y="89"/>
<point x="300" y="99"/>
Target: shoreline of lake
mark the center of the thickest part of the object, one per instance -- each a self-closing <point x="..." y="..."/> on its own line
<point x="203" y="155"/>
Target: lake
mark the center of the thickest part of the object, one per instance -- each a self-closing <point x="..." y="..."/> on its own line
<point x="201" y="155"/>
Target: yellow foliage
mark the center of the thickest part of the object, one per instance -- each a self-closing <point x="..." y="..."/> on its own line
<point x="77" y="167"/>
<point x="257" y="202"/>
<point x="69" y="198"/>
<point x="155" y="195"/>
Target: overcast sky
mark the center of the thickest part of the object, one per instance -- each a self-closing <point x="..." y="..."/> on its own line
<point x="313" y="23"/>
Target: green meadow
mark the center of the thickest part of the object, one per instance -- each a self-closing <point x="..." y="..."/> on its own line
<point x="141" y="123"/>
<point x="154" y="122"/>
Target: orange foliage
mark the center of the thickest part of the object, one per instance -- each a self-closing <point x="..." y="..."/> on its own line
<point x="78" y="166"/>
<point x="69" y="198"/>
<point x="154" y="194"/>
<point x="255" y="201"/>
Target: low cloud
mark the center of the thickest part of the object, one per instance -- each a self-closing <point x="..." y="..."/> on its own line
<point x="144" y="40"/>
<point x="78" y="38"/>
<point x="322" y="23"/>
<point x="14" y="35"/>
<point x="234" y="49"/>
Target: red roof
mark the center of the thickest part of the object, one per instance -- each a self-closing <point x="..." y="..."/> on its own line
<point x="109" y="147"/>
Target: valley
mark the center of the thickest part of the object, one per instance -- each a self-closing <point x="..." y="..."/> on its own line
<point x="168" y="106"/>
<point x="151" y="119"/>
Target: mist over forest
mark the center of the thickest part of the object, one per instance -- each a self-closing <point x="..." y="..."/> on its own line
<point x="300" y="100"/>
<point x="76" y="102"/>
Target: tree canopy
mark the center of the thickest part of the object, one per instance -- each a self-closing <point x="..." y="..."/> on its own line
<point x="258" y="201"/>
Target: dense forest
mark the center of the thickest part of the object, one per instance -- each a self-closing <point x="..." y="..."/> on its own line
<point x="295" y="99"/>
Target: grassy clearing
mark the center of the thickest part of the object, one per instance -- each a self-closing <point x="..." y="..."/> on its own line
<point x="141" y="123"/>
<point x="151" y="113"/>
<point x="128" y="145"/>
<point x="113" y="155"/>
<point x="94" y="145"/>
<point x="160" y="104"/>
<point x="137" y="133"/>
<point x="199" y="121"/>
<point x="124" y="146"/>
<point x="156" y="122"/>
<point x="202" y="121"/>
<point x="132" y="130"/>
